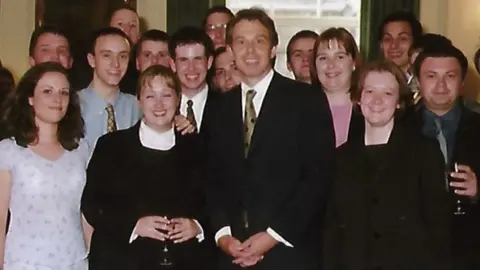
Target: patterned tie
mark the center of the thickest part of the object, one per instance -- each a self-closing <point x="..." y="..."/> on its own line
<point x="191" y="114"/>
<point x="111" y="123"/>
<point x="250" y="119"/>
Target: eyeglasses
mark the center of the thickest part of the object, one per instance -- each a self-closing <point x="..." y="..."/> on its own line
<point x="216" y="27"/>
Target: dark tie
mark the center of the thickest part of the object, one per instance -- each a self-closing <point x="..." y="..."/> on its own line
<point x="441" y="139"/>
<point x="250" y="119"/>
<point x="111" y="123"/>
<point x="191" y="114"/>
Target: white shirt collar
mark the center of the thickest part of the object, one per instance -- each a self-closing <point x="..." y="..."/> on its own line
<point x="261" y="86"/>
<point x="155" y="140"/>
<point x="199" y="98"/>
<point x="409" y="77"/>
<point x="261" y="91"/>
<point x="199" y="101"/>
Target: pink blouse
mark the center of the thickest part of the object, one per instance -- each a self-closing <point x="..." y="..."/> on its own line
<point x="341" y="122"/>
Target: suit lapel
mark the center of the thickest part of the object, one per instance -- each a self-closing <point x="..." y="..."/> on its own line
<point x="268" y="112"/>
<point x="462" y="137"/>
<point x="237" y="121"/>
<point x="356" y="127"/>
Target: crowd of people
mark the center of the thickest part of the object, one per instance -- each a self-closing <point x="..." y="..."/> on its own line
<point x="190" y="151"/>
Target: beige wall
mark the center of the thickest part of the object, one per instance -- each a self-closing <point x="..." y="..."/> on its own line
<point x="154" y="13"/>
<point x="459" y="20"/>
<point x="17" y="20"/>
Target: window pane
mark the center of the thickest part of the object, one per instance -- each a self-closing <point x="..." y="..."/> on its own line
<point x="345" y="8"/>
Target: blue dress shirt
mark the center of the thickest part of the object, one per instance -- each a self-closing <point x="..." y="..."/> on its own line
<point x="125" y="106"/>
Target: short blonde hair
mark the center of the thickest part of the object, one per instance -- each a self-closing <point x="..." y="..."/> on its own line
<point x="158" y="70"/>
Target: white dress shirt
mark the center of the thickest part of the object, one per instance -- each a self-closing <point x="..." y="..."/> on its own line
<point x="199" y="101"/>
<point x="409" y="77"/>
<point x="159" y="141"/>
<point x="261" y="89"/>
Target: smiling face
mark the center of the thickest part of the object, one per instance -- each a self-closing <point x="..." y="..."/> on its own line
<point x="110" y="60"/>
<point x="396" y="42"/>
<point x="127" y="21"/>
<point x="440" y="82"/>
<point x="334" y="66"/>
<point x="50" y="98"/>
<point x="226" y="74"/>
<point x="252" y="50"/>
<point x="215" y="27"/>
<point x="379" y="98"/>
<point x="191" y="65"/>
<point x="158" y="101"/>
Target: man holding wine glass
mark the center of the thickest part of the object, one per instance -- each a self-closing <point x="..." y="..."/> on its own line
<point x="441" y="71"/>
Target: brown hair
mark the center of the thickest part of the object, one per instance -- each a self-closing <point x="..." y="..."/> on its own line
<point x="405" y="96"/>
<point x="344" y="38"/>
<point x="158" y="70"/>
<point x="19" y="116"/>
<point x="252" y="14"/>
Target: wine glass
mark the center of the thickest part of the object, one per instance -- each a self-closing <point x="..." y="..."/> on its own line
<point x="165" y="256"/>
<point x="458" y="198"/>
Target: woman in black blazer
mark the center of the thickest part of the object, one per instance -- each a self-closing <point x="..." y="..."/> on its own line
<point x="389" y="207"/>
<point x="144" y="192"/>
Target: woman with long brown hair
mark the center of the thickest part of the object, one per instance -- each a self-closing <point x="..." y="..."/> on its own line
<point x="42" y="174"/>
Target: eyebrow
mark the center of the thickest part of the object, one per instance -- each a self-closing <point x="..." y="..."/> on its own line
<point x="322" y="53"/>
<point x="49" y="44"/>
<point x="298" y="50"/>
<point x="401" y="33"/>
<point x="106" y="50"/>
<point x="47" y="86"/>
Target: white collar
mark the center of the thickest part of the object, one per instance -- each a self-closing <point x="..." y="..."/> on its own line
<point x="155" y="140"/>
<point x="261" y="86"/>
<point x="199" y="98"/>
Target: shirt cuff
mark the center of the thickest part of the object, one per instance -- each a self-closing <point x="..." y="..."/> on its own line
<point x="223" y="232"/>
<point x="201" y="236"/>
<point x="277" y="237"/>
<point x="133" y="236"/>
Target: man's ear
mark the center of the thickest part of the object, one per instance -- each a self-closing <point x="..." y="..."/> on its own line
<point x="31" y="61"/>
<point x="172" y="65"/>
<point x="91" y="60"/>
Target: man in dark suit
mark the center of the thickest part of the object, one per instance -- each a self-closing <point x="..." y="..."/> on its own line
<point x="441" y="114"/>
<point x="191" y="52"/>
<point x="270" y="157"/>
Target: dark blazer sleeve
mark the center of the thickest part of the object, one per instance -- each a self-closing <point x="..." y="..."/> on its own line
<point x="194" y="149"/>
<point x="436" y="204"/>
<point x="316" y="144"/>
<point x="110" y="213"/>
<point x="215" y="187"/>
<point x="332" y="227"/>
